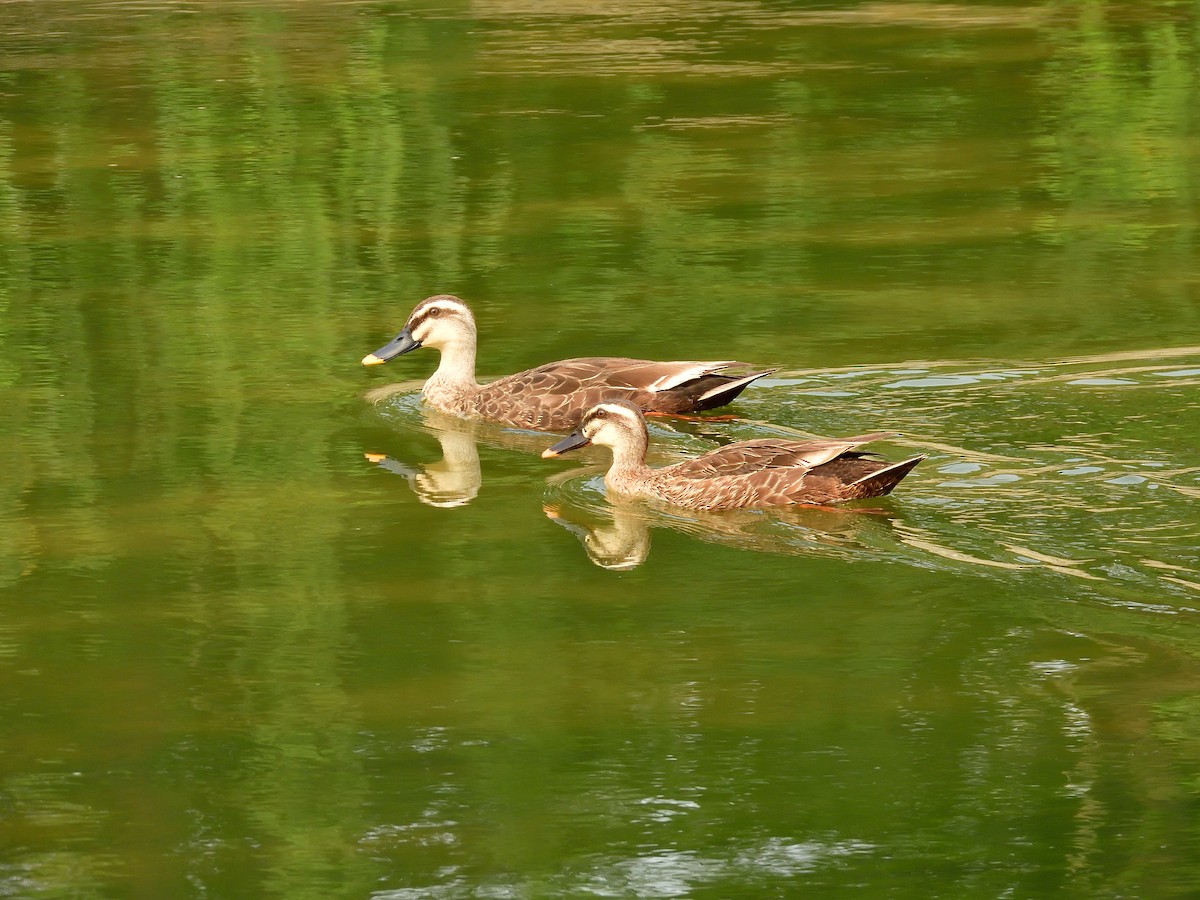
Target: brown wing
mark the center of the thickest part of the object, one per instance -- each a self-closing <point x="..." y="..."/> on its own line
<point x="846" y="478"/>
<point x="746" y="457"/>
<point x="554" y="397"/>
<point x="766" y="487"/>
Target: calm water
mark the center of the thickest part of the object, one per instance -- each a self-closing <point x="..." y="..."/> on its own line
<point x="239" y="657"/>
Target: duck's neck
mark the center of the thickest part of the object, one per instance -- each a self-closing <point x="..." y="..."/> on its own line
<point x="628" y="465"/>
<point x="453" y="385"/>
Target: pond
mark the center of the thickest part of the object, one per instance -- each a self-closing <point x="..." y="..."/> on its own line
<point x="269" y="627"/>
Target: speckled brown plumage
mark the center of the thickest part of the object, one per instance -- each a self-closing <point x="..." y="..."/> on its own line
<point x="759" y="473"/>
<point x="553" y="397"/>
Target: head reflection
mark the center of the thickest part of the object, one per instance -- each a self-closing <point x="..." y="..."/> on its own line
<point x="452" y="481"/>
<point x="620" y="544"/>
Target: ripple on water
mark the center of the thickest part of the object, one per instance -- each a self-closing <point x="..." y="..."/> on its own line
<point x="985" y="481"/>
<point x="964" y="468"/>
<point x="945" y="380"/>
<point x="1128" y="479"/>
<point x="1178" y="373"/>
<point x="1104" y="478"/>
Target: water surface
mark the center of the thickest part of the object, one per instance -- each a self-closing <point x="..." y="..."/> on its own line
<point x="270" y="629"/>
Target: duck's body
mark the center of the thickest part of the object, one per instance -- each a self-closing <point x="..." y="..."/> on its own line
<point x="555" y="396"/>
<point x="759" y="473"/>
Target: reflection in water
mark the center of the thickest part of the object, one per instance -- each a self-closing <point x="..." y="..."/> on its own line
<point x="622" y="544"/>
<point x="620" y="539"/>
<point x="455" y="479"/>
<point x="657" y="872"/>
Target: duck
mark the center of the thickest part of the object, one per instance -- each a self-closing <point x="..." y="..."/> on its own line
<point x="554" y="396"/>
<point x="759" y="473"/>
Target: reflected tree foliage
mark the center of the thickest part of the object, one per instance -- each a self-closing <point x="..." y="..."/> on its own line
<point x="1119" y="157"/>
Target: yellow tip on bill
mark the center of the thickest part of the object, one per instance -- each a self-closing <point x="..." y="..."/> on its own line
<point x="372" y="360"/>
<point x="549" y="453"/>
<point x="375" y="457"/>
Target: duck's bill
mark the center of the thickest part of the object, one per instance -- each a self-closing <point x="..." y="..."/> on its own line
<point x="401" y="343"/>
<point x="570" y="442"/>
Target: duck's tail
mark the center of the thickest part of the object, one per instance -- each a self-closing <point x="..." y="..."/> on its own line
<point x="725" y="389"/>
<point x="881" y="482"/>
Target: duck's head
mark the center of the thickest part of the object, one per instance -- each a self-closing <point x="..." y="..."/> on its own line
<point x="441" y="321"/>
<point x="614" y="423"/>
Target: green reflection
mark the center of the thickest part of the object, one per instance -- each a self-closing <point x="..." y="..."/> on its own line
<point x="239" y="660"/>
<point x="1121" y="147"/>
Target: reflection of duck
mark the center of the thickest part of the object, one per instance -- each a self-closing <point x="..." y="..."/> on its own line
<point x="759" y="473"/>
<point x="619" y="545"/>
<point x="555" y="396"/>
<point x="454" y="480"/>
<point x="618" y="538"/>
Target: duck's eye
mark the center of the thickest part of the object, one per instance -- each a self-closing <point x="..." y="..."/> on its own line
<point x="434" y="312"/>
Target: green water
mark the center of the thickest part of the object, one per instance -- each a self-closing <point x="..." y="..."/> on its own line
<point x="240" y="659"/>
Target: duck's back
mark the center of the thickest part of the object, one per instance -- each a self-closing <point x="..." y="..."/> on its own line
<point x="744" y="458"/>
<point x="554" y="397"/>
<point x="774" y="472"/>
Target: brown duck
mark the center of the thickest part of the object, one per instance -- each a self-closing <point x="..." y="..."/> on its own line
<point x="555" y="396"/>
<point x="766" y="472"/>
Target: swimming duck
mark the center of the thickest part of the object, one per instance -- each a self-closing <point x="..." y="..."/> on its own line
<point x="758" y="473"/>
<point x="555" y="396"/>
